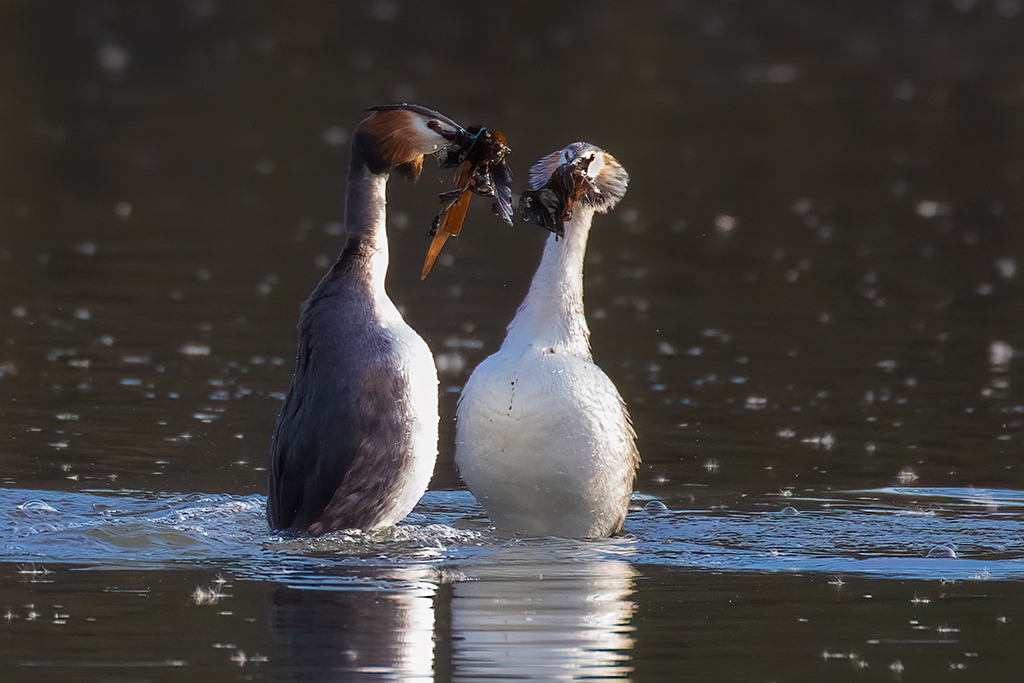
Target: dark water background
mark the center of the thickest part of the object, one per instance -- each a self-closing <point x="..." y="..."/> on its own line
<point x="809" y="299"/>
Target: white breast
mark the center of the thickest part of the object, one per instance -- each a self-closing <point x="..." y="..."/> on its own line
<point x="543" y="440"/>
<point x="417" y="364"/>
<point x="544" y="443"/>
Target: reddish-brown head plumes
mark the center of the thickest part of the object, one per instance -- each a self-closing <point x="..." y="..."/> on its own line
<point x="395" y="140"/>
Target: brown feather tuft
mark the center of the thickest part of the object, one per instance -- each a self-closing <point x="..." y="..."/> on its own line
<point x="410" y="170"/>
<point x="391" y="140"/>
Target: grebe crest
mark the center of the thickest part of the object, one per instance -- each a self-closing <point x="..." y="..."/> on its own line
<point x="394" y="138"/>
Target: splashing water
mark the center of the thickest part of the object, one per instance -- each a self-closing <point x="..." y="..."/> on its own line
<point x="887" y="532"/>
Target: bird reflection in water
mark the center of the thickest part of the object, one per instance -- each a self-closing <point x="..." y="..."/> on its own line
<point x="531" y="618"/>
<point x="381" y="634"/>
<point x="533" y="612"/>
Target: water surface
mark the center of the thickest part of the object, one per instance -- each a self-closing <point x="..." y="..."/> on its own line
<point x="809" y="298"/>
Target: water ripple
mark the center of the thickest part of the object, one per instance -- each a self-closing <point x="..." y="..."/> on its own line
<point x="886" y="532"/>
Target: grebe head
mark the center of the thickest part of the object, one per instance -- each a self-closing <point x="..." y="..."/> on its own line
<point x="579" y="173"/>
<point x="396" y="137"/>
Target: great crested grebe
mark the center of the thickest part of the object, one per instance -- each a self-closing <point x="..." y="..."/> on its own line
<point x="356" y="439"/>
<point x="543" y="438"/>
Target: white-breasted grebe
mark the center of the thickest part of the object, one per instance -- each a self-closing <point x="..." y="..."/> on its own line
<point x="543" y="438"/>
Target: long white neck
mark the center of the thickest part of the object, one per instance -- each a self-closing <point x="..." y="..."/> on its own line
<point x="552" y="313"/>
